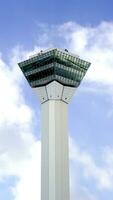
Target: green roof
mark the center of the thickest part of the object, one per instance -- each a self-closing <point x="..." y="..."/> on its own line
<point x="54" y="64"/>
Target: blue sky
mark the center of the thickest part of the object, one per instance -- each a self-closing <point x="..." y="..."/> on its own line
<point x="85" y="28"/>
<point x="19" y="19"/>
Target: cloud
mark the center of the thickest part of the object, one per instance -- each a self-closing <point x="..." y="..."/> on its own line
<point x="82" y="193"/>
<point x="17" y="118"/>
<point x="94" y="44"/>
<point x="28" y="186"/>
<point x="102" y="176"/>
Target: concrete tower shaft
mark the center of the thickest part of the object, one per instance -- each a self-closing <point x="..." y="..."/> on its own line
<point x="54" y="99"/>
<point x="55" y="154"/>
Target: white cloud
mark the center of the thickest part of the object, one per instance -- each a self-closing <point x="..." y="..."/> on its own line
<point x="102" y="176"/>
<point x="19" y="148"/>
<point x="94" y="44"/>
<point x="28" y="187"/>
<point x="82" y="193"/>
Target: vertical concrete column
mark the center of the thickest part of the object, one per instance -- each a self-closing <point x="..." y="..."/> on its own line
<point x="55" y="154"/>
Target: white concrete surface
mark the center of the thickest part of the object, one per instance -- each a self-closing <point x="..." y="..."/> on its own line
<point x="54" y="91"/>
<point x="55" y="155"/>
<point x="54" y="100"/>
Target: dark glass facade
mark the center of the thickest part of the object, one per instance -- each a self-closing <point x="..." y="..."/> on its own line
<point x="56" y="65"/>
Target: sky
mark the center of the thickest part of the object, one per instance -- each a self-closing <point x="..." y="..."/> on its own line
<point x="86" y="29"/>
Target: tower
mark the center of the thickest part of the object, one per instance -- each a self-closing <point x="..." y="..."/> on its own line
<point x="54" y="75"/>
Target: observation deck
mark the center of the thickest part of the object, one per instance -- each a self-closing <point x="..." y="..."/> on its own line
<point x="54" y="65"/>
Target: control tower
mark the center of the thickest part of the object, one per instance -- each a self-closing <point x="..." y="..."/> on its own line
<point x="54" y="76"/>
